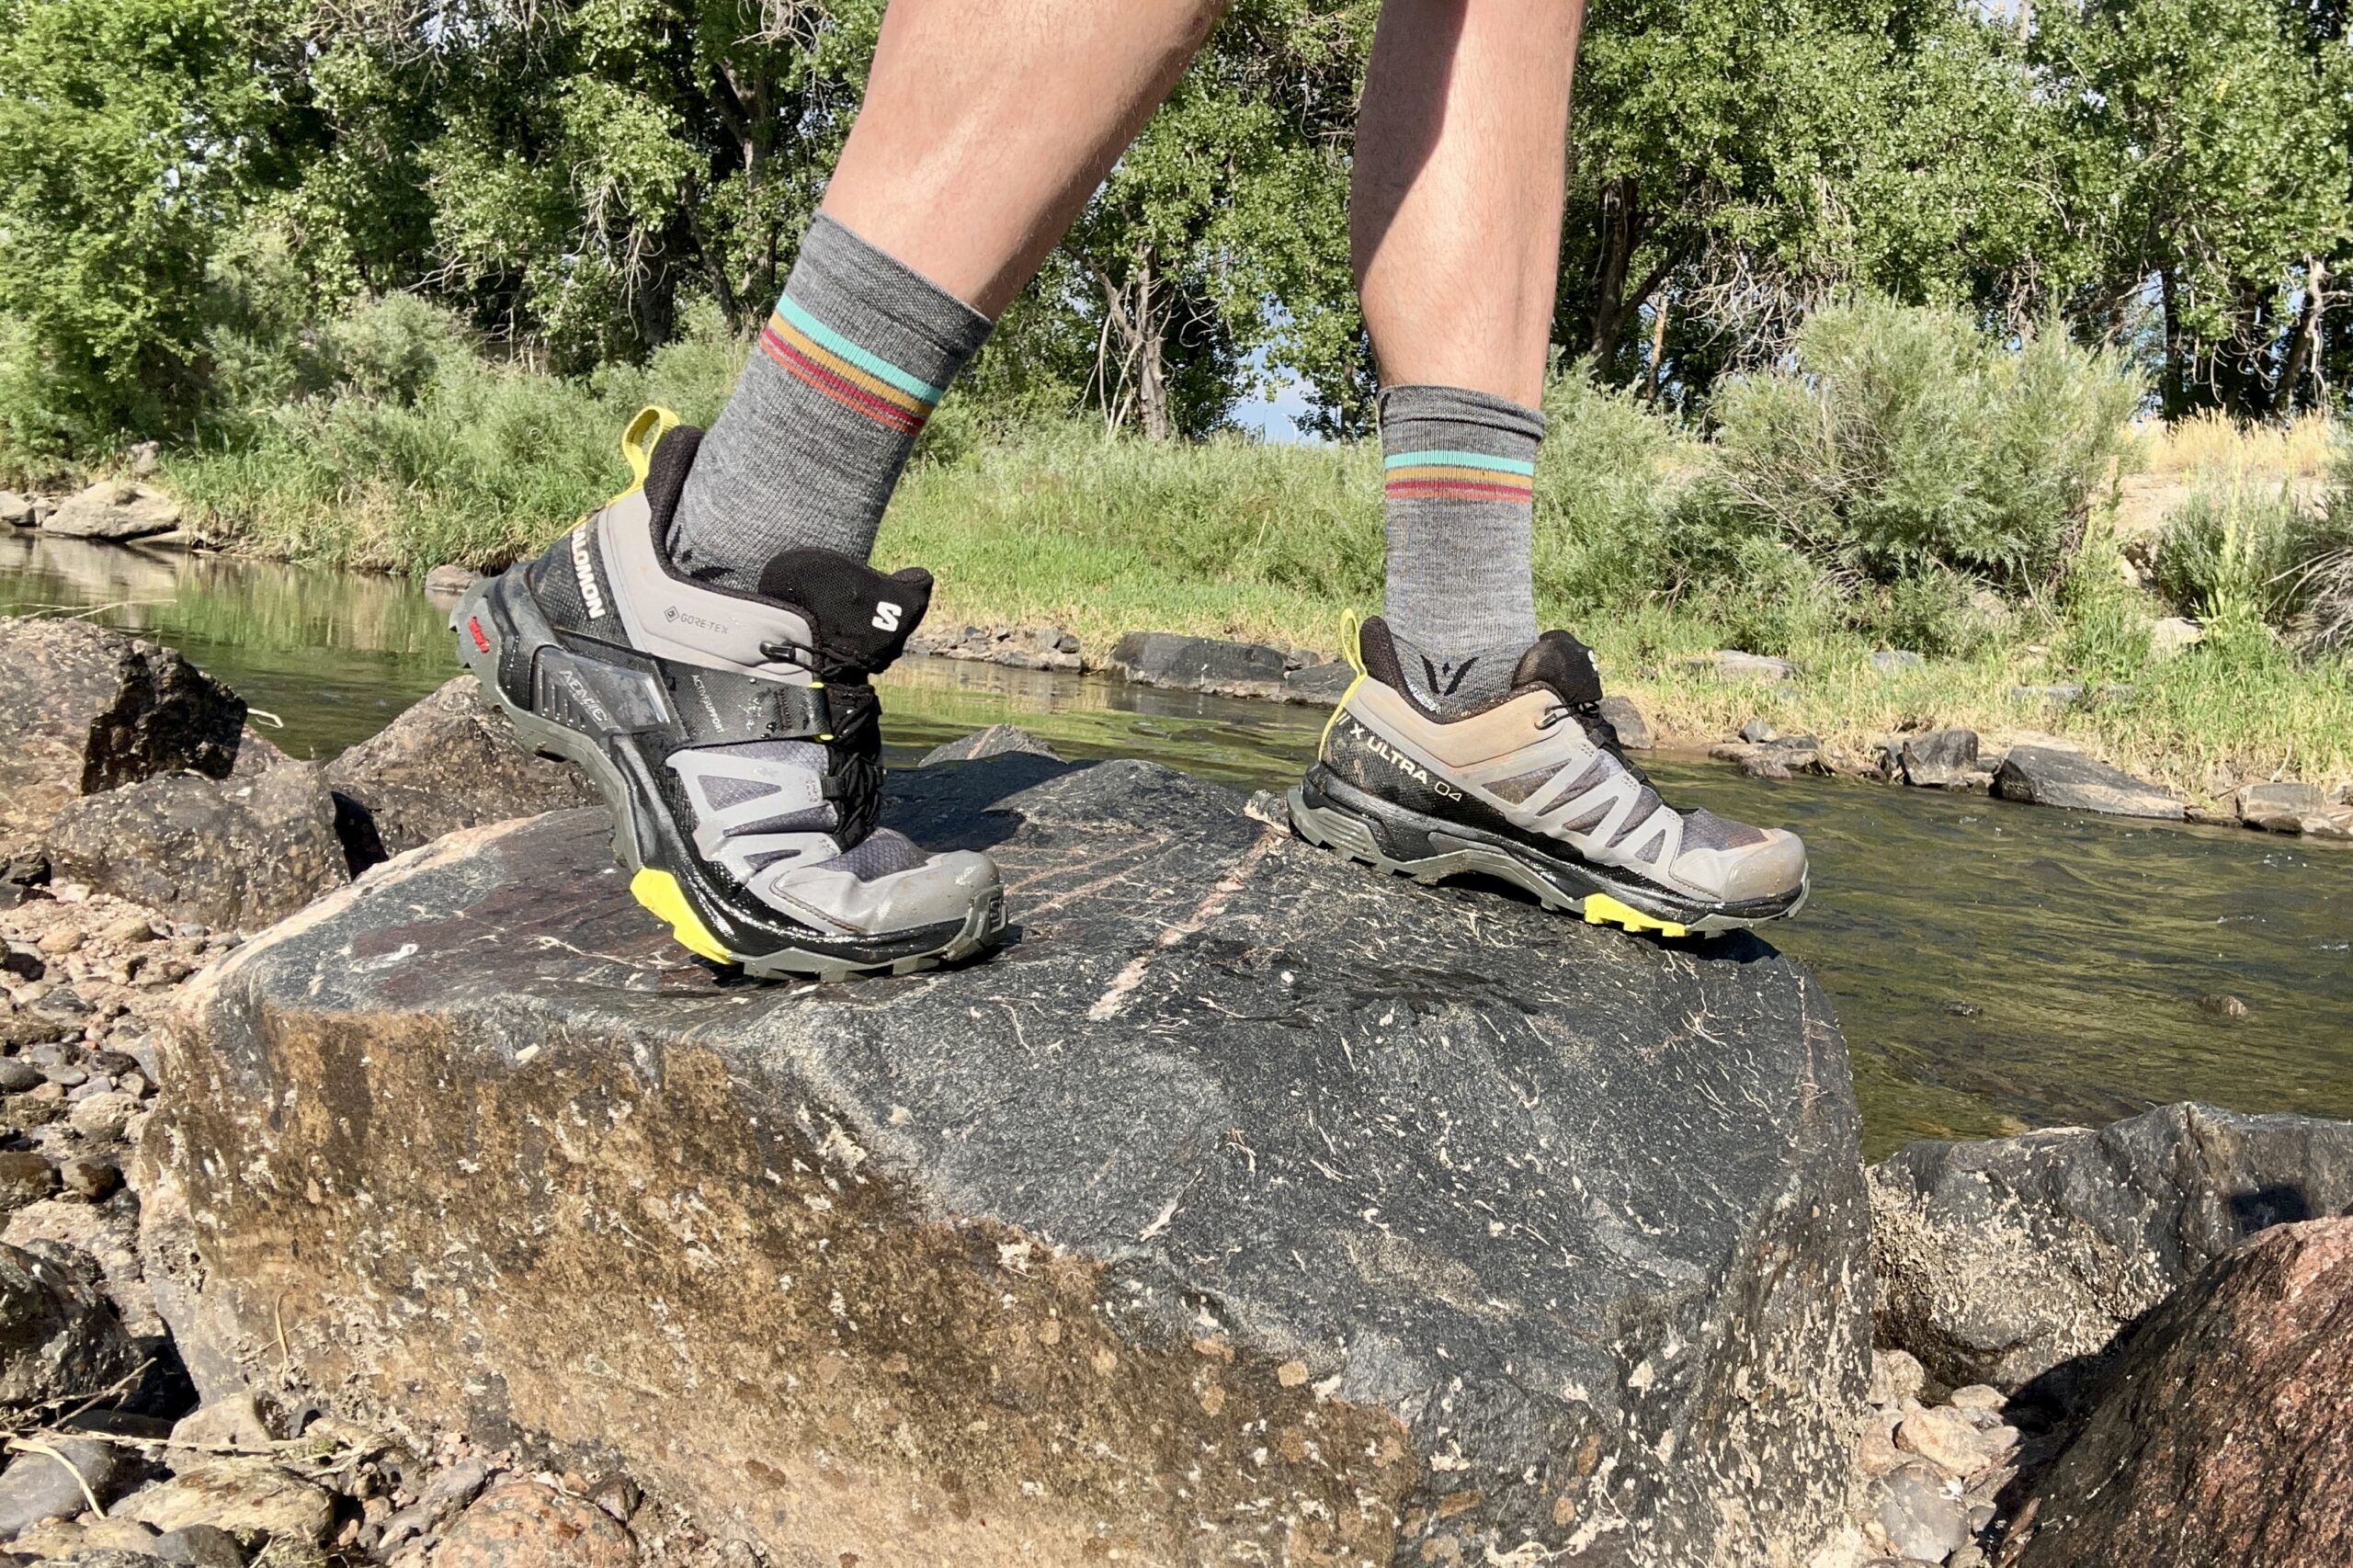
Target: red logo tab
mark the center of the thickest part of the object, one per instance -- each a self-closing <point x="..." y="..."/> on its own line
<point x="474" y="625"/>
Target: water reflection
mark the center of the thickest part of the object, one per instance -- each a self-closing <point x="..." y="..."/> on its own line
<point x="1994" y="966"/>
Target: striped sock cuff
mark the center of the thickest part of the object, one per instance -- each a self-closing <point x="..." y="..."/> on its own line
<point x="837" y="368"/>
<point x="1458" y="475"/>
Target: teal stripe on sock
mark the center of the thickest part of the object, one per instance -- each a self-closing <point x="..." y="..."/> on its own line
<point x="1457" y="460"/>
<point x="873" y="365"/>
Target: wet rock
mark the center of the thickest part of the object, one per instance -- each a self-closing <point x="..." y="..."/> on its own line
<point x="1938" y="758"/>
<point x="2045" y="778"/>
<point x="92" y="710"/>
<point x="16" y="510"/>
<point x="24" y="1177"/>
<point x="1464" y="1249"/>
<point x="1924" y="1521"/>
<point x="37" y="1486"/>
<point x="991" y="742"/>
<point x="2281" y="808"/>
<point x="1018" y="647"/>
<point x="447" y="583"/>
<point x="1168" y="658"/>
<point x="2015" y="1261"/>
<point x="521" y="1524"/>
<point x="199" y="1545"/>
<point x="58" y="1338"/>
<point x="1633" y="730"/>
<point x="451" y="761"/>
<point x="1320" y="683"/>
<point x="241" y="854"/>
<point x="2223" y="1433"/>
<point x="111" y="509"/>
<point x="239" y="1495"/>
<point x="1894" y="660"/>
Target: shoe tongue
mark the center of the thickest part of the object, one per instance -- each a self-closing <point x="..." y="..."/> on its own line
<point x="861" y="618"/>
<point x="1561" y="662"/>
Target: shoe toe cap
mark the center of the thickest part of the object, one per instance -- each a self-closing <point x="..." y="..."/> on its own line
<point x="1769" y="869"/>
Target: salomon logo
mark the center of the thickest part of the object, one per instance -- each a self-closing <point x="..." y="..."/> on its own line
<point x="589" y="593"/>
<point x="886" y="616"/>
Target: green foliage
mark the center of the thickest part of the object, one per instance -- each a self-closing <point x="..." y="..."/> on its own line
<point x="1904" y="441"/>
<point x="2250" y="560"/>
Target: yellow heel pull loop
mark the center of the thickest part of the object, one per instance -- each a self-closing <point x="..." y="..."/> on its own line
<point x="639" y="440"/>
<point x="660" y="892"/>
<point x="1351" y="639"/>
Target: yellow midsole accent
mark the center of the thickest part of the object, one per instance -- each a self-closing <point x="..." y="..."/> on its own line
<point x="1600" y="907"/>
<point x="660" y="892"/>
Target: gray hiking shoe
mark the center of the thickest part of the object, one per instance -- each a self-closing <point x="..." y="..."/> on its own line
<point x="736" y="735"/>
<point x="1533" y="788"/>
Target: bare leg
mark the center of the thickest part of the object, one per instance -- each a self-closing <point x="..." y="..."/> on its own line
<point x="987" y="126"/>
<point x="1454" y="221"/>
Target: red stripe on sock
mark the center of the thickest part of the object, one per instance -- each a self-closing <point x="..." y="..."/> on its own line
<point x="833" y="386"/>
<point x="1445" y="489"/>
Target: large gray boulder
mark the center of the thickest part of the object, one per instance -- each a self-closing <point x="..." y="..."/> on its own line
<point x="2016" y="1261"/>
<point x="1202" y="664"/>
<point x="236" y="855"/>
<point x="1245" y="1206"/>
<point x="449" y="761"/>
<point x="90" y="709"/>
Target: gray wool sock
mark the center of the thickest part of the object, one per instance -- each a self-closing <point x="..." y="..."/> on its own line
<point x="808" y="449"/>
<point x="1459" y="477"/>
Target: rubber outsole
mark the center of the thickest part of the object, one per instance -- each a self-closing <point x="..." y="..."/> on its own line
<point x="657" y="890"/>
<point x="1332" y="825"/>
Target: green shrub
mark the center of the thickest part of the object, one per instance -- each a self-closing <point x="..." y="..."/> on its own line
<point x="1903" y="440"/>
<point x="2249" y="559"/>
<point x="1606" y="481"/>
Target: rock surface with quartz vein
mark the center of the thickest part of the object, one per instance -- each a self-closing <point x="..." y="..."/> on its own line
<point x="1243" y="1206"/>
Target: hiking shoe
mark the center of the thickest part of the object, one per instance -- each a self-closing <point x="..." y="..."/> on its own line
<point x="1532" y="788"/>
<point x="734" y="736"/>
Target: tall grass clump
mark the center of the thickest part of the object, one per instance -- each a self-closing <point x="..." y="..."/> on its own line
<point x="2250" y="558"/>
<point x="398" y="445"/>
<point x="1902" y="441"/>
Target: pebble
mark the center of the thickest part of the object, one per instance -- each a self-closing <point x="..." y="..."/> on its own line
<point x="24" y="1177"/>
<point x="1876" y="1453"/>
<point x="61" y="940"/>
<point x="35" y="1487"/>
<point x="1978" y="1397"/>
<point x="102" y="1116"/>
<point x="1922" y="1522"/>
<point x="17" y="1076"/>
<point x="1946" y="1439"/>
<point x="199" y="1545"/>
<point x="92" y="1178"/>
<point x="1897" y="1376"/>
<point x="521" y="1524"/>
<point x="238" y="1495"/>
<point x="130" y="929"/>
<point x="232" y="1423"/>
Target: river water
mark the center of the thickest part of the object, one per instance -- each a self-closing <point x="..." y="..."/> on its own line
<point x="1996" y="966"/>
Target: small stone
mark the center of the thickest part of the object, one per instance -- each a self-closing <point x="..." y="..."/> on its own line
<point x="616" y="1494"/>
<point x="93" y="1180"/>
<point x="61" y="940"/>
<point x="521" y="1524"/>
<point x="2223" y="1005"/>
<point x="1946" y="1439"/>
<point x="235" y="1422"/>
<point x="1633" y="731"/>
<point x="1923" y="1523"/>
<point x="199" y="1545"/>
<point x="129" y="930"/>
<point x="116" y="1534"/>
<point x="1732" y="664"/>
<point x="24" y="1177"/>
<point x="36" y="1486"/>
<point x="102" y="1116"/>
<point x="2172" y="635"/>
<point x="1978" y="1396"/>
<point x="1876" y="1453"/>
<point x="450" y="581"/>
<point x="238" y="1495"/>
<point x="1897" y="1376"/>
<point x="1758" y="732"/>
